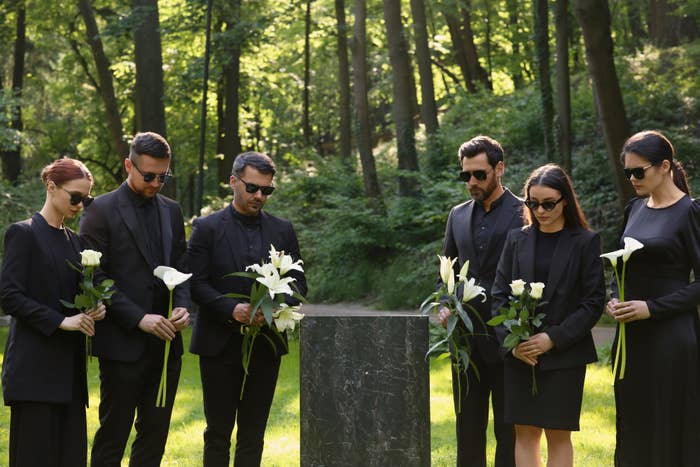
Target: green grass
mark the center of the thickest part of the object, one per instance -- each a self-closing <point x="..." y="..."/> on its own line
<point x="594" y="445"/>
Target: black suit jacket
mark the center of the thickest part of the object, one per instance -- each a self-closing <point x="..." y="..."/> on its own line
<point x="40" y="361"/>
<point x="574" y="294"/>
<point x="110" y="225"/>
<point x="211" y="256"/>
<point x="459" y="243"/>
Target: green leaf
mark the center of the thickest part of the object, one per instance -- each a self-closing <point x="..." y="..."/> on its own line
<point x="82" y="301"/>
<point x="250" y="275"/>
<point x="272" y="343"/>
<point x="267" y="309"/>
<point x="68" y="304"/>
<point x="511" y="341"/>
<point x="496" y="320"/>
<point x="236" y="295"/>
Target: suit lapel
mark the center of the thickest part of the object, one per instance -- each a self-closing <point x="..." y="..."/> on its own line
<point x="526" y="255"/>
<point x="126" y="210"/>
<point x="462" y="226"/>
<point x="230" y="231"/>
<point x="165" y="229"/>
<point x="264" y="230"/>
<point x="560" y="260"/>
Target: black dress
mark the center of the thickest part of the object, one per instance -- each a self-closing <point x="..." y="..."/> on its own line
<point x="557" y="404"/>
<point x="658" y="401"/>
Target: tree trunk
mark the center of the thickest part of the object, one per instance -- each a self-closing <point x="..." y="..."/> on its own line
<point x="561" y="18"/>
<point x="343" y="84"/>
<point x="664" y="26"/>
<point x="231" y="140"/>
<point x="543" y="72"/>
<point x="306" y="122"/>
<point x="361" y="88"/>
<point x="460" y="52"/>
<point x="428" y="105"/>
<point x="404" y="96"/>
<point x="106" y="84"/>
<point x="594" y="18"/>
<point x="516" y="70"/>
<point x="223" y="172"/>
<point x="11" y="159"/>
<point x="149" y="105"/>
<point x="475" y="68"/>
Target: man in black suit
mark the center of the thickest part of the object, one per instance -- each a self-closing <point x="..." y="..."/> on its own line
<point x="224" y="242"/>
<point x="476" y="232"/>
<point x="137" y="229"/>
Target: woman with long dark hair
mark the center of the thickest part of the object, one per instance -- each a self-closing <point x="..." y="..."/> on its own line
<point x="43" y="372"/>
<point x="658" y="400"/>
<point x="555" y="248"/>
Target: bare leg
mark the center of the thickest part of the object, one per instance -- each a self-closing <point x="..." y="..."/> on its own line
<point x="527" y="446"/>
<point x="560" y="451"/>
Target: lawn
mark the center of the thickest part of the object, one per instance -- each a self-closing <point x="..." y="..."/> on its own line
<point x="594" y="445"/>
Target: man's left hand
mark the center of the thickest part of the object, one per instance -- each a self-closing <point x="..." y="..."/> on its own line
<point x="180" y="318"/>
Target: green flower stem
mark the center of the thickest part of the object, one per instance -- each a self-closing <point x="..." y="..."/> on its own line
<point x="621" y="351"/>
<point x="163" y="386"/>
<point x="248" y="340"/>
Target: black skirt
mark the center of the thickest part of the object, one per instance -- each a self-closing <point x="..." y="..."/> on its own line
<point x="557" y="404"/>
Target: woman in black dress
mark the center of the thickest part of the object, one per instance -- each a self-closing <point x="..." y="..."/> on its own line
<point x="43" y="372"/>
<point x="556" y="248"/>
<point x="658" y="400"/>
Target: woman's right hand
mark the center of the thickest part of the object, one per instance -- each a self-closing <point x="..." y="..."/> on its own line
<point x="81" y="322"/>
<point x="610" y="307"/>
<point x="517" y="353"/>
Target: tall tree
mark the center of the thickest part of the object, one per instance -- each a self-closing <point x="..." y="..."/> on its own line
<point x="516" y="66"/>
<point x="458" y="48"/>
<point x="149" y="106"/>
<point x="343" y="83"/>
<point x="106" y="84"/>
<point x="230" y="56"/>
<point x="404" y="96"/>
<point x="475" y="68"/>
<point x="543" y="73"/>
<point x="594" y="19"/>
<point x="361" y="88"/>
<point x="420" y="31"/>
<point x="11" y="158"/>
<point x="561" y="20"/>
<point x="306" y="121"/>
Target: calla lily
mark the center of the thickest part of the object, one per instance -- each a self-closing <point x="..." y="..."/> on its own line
<point x="612" y="256"/>
<point x="287" y="317"/>
<point x="446" y="265"/>
<point x="463" y="272"/>
<point x="536" y="289"/>
<point x="471" y="291"/>
<point x="631" y="245"/>
<point x="276" y="284"/>
<point x="170" y="276"/>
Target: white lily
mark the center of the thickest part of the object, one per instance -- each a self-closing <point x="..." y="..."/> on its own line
<point x="276" y="284"/>
<point x="446" y="271"/>
<point x="287" y="317"/>
<point x="284" y="263"/>
<point x="463" y="272"/>
<point x="265" y="269"/>
<point x="536" y="289"/>
<point x="471" y="291"/>
<point x="170" y="276"/>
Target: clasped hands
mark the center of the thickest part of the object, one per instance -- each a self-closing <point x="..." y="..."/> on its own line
<point x="625" y="312"/>
<point x="241" y="313"/>
<point x="84" y="322"/>
<point x="165" y="328"/>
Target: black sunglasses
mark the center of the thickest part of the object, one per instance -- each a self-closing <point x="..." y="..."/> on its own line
<point x="638" y="172"/>
<point x="148" y="177"/>
<point x="77" y="198"/>
<point x="466" y="175"/>
<point x="546" y="205"/>
<point x="253" y="188"/>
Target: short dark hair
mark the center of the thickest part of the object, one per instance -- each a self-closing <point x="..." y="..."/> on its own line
<point x="653" y="146"/>
<point x="151" y="144"/>
<point x="259" y="161"/>
<point x="479" y="144"/>
<point x="553" y="176"/>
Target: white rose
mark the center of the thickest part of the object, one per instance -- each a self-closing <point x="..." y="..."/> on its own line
<point x="517" y="287"/>
<point x="90" y="258"/>
<point x="536" y="289"/>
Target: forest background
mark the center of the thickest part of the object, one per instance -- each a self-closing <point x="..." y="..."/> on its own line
<point x="361" y="103"/>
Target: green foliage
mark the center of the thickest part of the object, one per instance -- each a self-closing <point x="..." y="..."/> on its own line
<point x="18" y="203"/>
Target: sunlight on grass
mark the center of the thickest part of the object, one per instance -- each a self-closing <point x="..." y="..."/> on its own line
<point x="594" y="446"/>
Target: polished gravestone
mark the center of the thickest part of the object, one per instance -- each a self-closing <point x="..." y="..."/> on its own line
<point x="365" y="394"/>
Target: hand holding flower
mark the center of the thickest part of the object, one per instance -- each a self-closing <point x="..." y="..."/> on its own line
<point x="180" y="318"/>
<point x="159" y="326"/>
<point x="633" y="310"/>
<point x="80" y="322"/>
<point x="518" y="353"/>
<point x="536" y="345"/>
<point x="99" y="313"/>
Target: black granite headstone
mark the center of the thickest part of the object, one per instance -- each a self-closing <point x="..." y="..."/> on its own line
<point x="365" y="389"/>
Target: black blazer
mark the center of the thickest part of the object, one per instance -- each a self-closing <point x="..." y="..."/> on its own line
<point x="110" y="225"/>
<point x="211" y="256"/>
<point x="574" y="292"/>
<point x="460" y="243"/>
<point x="40" y="359"/>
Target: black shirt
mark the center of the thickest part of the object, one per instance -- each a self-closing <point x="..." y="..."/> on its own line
<point x="545" y="244"/>
<point x="483" y="224"/>
<point x="249" y="241"/>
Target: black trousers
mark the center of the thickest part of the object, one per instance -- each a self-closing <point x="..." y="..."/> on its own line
<point x="128" y="388"/>
<point x="222" y="377"/>
<point x="48" y="435"/>
<point x="473" y="420"/>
